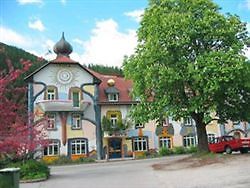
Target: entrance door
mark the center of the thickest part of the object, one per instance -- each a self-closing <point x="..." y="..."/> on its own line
<point x="115" y="148"/>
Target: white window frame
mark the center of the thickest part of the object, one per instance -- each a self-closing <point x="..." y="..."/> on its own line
<point x="188" y="121"/>
<point x="113" y="97"/>
<point x="165" y="141"/>
<point x="165" y="122"/>
<point x="51" y="120"/>
<point x="139" y="125"/>
<point x="189" y="140"/>
<point x="51" y="151"/>
<point x="211" y="137"/>
<point x="51" y="94"/>
<point x="76" y="121"/>
<point x="113" y="119"/>
<point x="78" y="144"/>
<point x="139" y="143"/>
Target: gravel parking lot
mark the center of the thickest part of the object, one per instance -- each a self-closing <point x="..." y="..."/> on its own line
<point x="168" y="172"/>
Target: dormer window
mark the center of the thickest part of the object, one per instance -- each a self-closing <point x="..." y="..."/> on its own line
<point x="188" y="121"/>
<point x="112" y="92"/>
<point x="113" y="97"/>
<point x="139" y="125"/>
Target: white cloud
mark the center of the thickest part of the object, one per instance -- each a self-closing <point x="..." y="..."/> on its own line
<point x="78" y="41"/>
<point x="136" y="14"/>
<point x="36" y="25"/>
<point x="24" y="2"/>
<point x="247" y="4"/>
<point x="63" y="2"/>
<point x="108" y="46"/>
<point x="244" y="5"/>
<point x="11" y="37"/>
<point x="47" y="47"/>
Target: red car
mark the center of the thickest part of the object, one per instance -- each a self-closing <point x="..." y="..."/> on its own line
<point x="228" y="144"/>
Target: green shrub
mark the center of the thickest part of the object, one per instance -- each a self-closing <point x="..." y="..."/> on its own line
<point x="32" y="169"/>
<point x="179" y="150"/>
<point x="192" y="149"/>
<point x="165" y="151"/>
<point x="85" y="160"/>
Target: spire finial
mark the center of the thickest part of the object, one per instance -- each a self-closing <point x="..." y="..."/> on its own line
<point x="62" y="47"/>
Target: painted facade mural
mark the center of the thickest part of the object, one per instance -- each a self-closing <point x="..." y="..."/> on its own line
<point x="73" y="117"/>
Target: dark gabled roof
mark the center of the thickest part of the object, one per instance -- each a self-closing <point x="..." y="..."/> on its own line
<point x="123" y="86"/>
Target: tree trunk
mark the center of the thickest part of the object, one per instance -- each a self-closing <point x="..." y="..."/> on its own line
<point x="201" y="133"/>
<point x="202" y="138"/>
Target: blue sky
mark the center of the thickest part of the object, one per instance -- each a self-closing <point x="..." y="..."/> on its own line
<point x="100" y="31"/>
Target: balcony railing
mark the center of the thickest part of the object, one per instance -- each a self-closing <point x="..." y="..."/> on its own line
<point x="62" y="105"/>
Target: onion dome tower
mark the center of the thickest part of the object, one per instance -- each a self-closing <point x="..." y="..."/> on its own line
<point x="62" y="47"/>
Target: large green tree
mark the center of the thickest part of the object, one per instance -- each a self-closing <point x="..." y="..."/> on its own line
<point x="189" y="62"/>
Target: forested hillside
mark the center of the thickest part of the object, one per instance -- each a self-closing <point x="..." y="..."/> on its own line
<point x="106" y="70"/>
<point x="15" y="55"/>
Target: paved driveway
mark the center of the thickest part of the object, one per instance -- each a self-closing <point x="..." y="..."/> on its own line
<point x="140" y="173"/>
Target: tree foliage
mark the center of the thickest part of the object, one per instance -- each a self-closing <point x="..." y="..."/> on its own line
<point x="18" y="140"/>
<point x="190" y="62"/>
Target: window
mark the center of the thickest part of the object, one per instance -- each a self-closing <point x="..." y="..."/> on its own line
<point x="189" y="141"/>
<point x="76" y="98"/>
<point x="165" y="122"/>
<point x="140" y="144"/>
<point x="114" y="119"/>
<point x="75" y="94"/>
<point x="76" y="121"/>
<point x="188" y="121"/>
<point x="78" y="146"/>
<point x="165" y="142"/>
<point x="211" y="138"/>
<point x="51" y="121"/>
<point x="139" y="125"/>
<point x="113" y="97"/>
<point x="50" y="93"/>
<point x="52" y="149"/>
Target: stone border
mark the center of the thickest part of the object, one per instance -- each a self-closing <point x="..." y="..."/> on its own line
<point x="33" y="180"/>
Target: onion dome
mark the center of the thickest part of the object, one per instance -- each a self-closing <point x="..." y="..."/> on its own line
<point x="62" y="47"/>
<point x="111" y="82"/>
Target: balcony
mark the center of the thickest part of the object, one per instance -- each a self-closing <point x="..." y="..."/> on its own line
<point x="62" y="105"/>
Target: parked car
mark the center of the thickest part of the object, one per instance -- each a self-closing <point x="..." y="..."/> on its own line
<point x="228" y="144"/>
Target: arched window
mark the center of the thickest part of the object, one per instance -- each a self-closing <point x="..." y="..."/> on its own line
<point x="51" y="93"/>
<point x="140" y="143"/>
<point x="78" y="146"/>
<point x="75" y="94"/>
<point x="165" y="142"/>
<point x="76" y="123"/>
<point x="189" y="141"/>
<point x="52" y="149"/>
